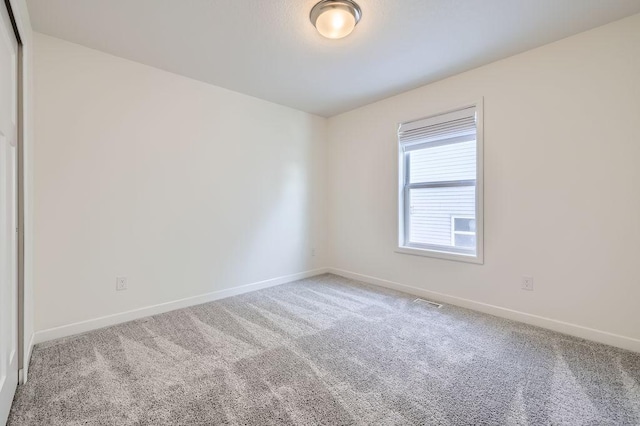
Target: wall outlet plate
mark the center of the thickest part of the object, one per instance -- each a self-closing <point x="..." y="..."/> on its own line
<point x="121" y="283"/>
<point x="527" y="283"/>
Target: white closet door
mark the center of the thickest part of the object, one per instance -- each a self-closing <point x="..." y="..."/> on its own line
<point x="8" y="215"/>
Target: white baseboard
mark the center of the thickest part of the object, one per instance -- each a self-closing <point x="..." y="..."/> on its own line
<point x="96" y="323"/>
<point x="548" y="323"/>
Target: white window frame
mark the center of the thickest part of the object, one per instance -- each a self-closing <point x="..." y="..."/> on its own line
<point x="453" y="228"/>
<point x="444" y="252"/>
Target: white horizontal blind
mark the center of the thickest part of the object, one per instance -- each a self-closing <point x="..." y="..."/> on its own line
<point x="439" y="128"/>
<point x="439" y="160"/>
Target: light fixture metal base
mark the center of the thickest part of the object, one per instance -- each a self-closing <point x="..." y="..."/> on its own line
<point x="347" y="5"/>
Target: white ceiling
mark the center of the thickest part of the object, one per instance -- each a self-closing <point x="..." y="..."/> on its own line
<point x="270" y="50"/>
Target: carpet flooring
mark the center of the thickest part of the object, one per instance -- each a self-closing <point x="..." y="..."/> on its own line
<point x="327" y="351"/>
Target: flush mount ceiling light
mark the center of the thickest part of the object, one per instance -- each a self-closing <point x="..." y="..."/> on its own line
<point x="335" y="18"/>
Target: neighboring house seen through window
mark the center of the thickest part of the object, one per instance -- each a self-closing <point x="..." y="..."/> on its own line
<point x="440" y="191"/>
<point x="463" y="232"/>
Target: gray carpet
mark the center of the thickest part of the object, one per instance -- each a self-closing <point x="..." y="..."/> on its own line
<point x="328" y="351"/>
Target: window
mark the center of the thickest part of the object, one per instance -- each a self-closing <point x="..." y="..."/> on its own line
<point x="463" y="231"/>
<point x="440" y="191"/>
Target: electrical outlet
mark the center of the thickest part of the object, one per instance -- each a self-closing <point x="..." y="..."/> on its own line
<point x="313" y="252"/>
<point x="527" y="283"/>
<point x="121" y="283"/>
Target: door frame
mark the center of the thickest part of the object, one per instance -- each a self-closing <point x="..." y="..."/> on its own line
<point x="20" y="184"/>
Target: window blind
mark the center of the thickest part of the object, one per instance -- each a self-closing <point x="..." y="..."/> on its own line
<point x="451" y="127"/>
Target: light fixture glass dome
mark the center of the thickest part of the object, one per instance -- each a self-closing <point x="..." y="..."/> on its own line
<point x="335" y="18"/>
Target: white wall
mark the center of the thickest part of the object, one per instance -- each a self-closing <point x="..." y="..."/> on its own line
<point x="137" y="175"/>
<point x="562" y="183"/>
<point x="183" y="187"/>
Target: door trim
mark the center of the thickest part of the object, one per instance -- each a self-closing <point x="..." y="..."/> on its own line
<point x="20" y="184"/>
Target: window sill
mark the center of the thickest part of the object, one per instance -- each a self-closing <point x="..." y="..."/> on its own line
<point x="466" y="258"/>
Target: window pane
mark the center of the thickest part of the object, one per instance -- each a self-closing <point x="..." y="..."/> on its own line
<point x="456" y="161"/>
<point x="431" y="210"/>
<point x="465" y="241"/>
<point x="464" y="224"/>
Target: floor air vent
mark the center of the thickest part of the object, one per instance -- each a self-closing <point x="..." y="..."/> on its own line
<point x="428" y="303"/>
